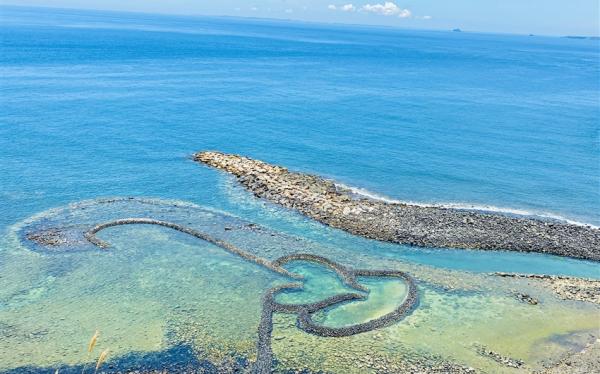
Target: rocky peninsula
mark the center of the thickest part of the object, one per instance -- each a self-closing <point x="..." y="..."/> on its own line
<point x="330" y="204"/>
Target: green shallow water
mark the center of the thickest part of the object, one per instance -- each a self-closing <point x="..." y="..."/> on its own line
<point x="384" y="296"/>
<point x="319" y="283"/>
<point x="156" y="289"/>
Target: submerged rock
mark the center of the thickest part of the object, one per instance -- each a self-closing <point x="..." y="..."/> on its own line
<point x="525" y="298"/>
<point x="506" y="361"/>
<point x="567" y="288"/>
<point x="584" y="362"/>
<point x="50" y="237"/>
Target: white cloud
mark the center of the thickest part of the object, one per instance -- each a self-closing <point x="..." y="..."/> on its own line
<point x="331" y="7"/>
<point x="254" y="9"/>
<point x="348" y="8"/>
<point x="289" y="11"/>
<point x="426" y="17"/>
<point x="405" y="13"/>
<point x="387" y="9"/>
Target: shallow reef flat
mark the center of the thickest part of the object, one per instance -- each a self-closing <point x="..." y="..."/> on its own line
<point x="567" y="288"/>
<point x="328" y="203"/>
<point x="164" y="299"/>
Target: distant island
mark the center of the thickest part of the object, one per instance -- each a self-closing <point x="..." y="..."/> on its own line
<point x="582" y="37"/>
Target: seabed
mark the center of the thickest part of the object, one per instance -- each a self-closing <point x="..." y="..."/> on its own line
<point x="239" y="296"/>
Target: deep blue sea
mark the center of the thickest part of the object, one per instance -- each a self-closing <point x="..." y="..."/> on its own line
<point x="101" y="104"/>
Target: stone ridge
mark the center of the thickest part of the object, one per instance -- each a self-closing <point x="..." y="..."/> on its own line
<point x="90" y="235"/>
<point x="324" y="201"/>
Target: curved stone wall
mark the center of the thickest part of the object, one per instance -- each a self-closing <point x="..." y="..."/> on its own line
<point x="304" y="312"/>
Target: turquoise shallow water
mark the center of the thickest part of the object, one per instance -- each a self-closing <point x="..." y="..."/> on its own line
<point x="97" y="104"/>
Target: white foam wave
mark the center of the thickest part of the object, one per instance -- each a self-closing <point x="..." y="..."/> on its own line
<point x="464" y="206"/>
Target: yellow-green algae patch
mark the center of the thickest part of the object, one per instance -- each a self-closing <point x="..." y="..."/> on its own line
<point x="132" y="294"/>
<point x="384" y="296"/>
<point x="443" y="326"/>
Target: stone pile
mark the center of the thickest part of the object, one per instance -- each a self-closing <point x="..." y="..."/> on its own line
<point x="326" y="202"/>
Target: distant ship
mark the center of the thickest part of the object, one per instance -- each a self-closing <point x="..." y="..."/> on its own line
<point x="457" y="30"/>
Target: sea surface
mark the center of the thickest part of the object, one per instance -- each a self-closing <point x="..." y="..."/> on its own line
<point x="103" y="104"/>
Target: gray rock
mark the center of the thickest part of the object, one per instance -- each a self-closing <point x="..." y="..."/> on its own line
<point x="338" y="207"/>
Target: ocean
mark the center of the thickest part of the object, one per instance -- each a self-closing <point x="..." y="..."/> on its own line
<point x="100" y="104"/>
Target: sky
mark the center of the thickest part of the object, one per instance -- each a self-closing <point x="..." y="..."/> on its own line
<point x="543" y="17"/>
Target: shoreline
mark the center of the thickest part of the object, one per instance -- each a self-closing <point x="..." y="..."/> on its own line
<point x="468" y="207"/>
<point x="425" y="226"/>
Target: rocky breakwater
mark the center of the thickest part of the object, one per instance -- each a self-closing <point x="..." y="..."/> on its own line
<point x="323" y="200"/>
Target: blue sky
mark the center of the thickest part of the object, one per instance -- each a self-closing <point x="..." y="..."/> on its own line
<point x="549" y="17"/>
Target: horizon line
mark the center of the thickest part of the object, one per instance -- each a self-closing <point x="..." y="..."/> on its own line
<point x="296" y="20"/>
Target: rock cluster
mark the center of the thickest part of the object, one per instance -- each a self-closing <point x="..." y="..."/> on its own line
<point x="506" y="361"/>
<point x="332" y="205"/>
<point x="525" y="298"/>
<point x="50" y="237"/>
<point x="567" y="288"/>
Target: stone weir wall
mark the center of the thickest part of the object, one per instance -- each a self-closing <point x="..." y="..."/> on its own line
<point x="323" y="200"/>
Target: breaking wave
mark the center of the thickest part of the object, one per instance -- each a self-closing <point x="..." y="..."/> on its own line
<point x="361" y="192"/>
